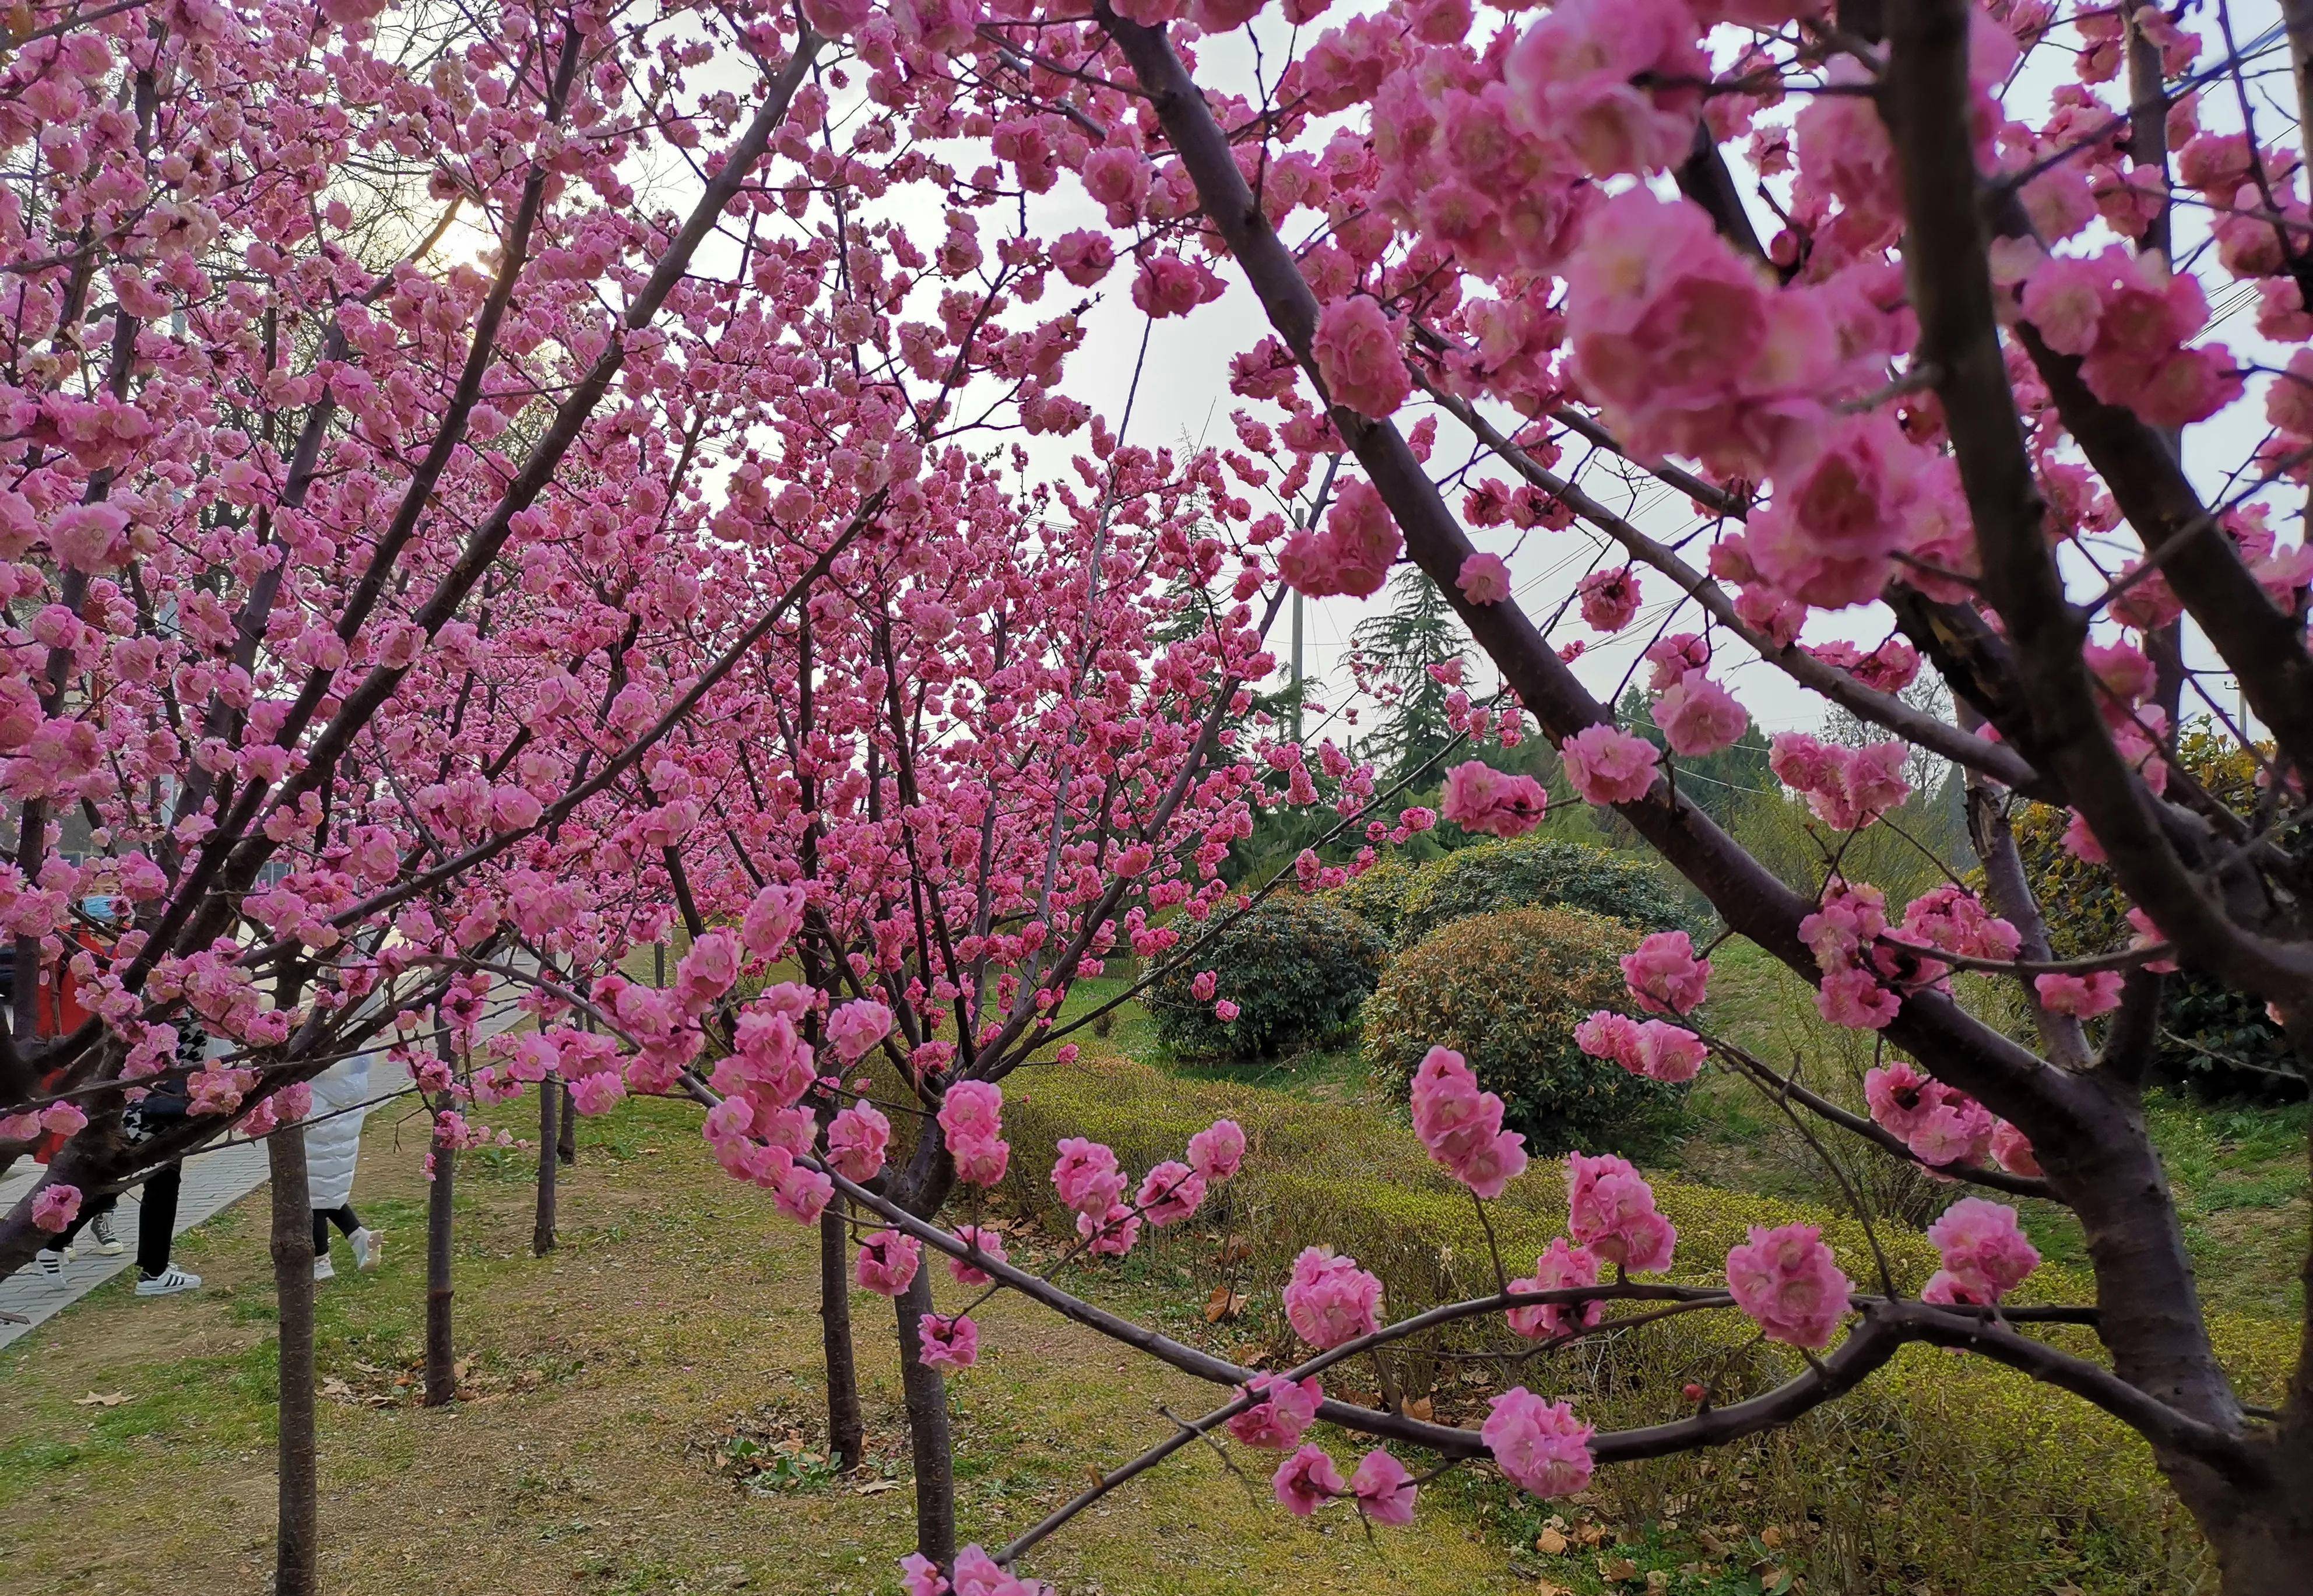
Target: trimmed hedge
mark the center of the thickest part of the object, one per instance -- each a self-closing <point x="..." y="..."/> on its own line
<point x="1379" y="896"/>
<point x="1506" y="990"/>
<point x="1942" y="1473"/>
<point x="1534" y="871"/>
<point x="1298" y="969"/>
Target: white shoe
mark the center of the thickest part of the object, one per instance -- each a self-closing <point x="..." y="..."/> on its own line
<point x="107" y="1245"/>
<point x="69" y="1252"/>
<point x="48" y="1266"/>
<point x="368" y="1246"/>
<point x="324" y="1269"/>
<point x="167" y="1281"/>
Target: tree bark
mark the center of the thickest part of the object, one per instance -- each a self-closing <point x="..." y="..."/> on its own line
<point x="925" y="1395"/>
<point x="566" y="1141"/>
<point x="441" y="1365"/>
<point x="846" y="1430"/>
<point x="542" y="1233"/>
<point x="296" y="1543"/>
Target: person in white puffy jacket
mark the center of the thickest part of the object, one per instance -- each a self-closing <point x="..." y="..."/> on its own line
<point x="332" y="1147"/>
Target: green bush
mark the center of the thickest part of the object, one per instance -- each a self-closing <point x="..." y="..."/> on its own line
<point x="1534" y="872"/>
<point x="1379" y="896"/>
<point x="1298" y="969"/>
<point x="1942" y="1473"/>
<point x="1506" y="992"/>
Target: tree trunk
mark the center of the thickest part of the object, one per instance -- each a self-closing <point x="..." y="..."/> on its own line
<point x="847" y="1431"/>
<point x="297" y="1541"/>
<point x="2264" y="1541"/>
<point x="566" y="1141"/>
<point x="926" y="1393"/>
<point x="542" y="1233"/>
<point x="441" y="1365"/>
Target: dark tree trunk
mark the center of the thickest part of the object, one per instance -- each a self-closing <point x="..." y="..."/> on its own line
<point x="542" y="1233"/>
<point x="847" y="1431"/>
<point x="441" y="1365"/>
<point x="297" y="1542"/>
<point x="566" y="1140"/>
<point x="926" y="1393"/>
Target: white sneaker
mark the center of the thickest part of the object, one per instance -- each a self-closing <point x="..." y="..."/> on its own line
<point x="69" y="1252"/>
<point x="368" y="1246"/>
<point x="48" y="1266"/>
<point x="324" y="1269"/>
<point x="107" y="1245"/>
<point x="167" y="1281"/>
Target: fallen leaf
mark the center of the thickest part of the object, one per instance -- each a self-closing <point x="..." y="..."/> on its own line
<point x="1774" y="1582"/>
<point x="1712" y="1543"/>
<point x="1550" y="1543"/>
<point x="101" y="1399"/>
<point x="1658" y="1580"/>
<point x="1422" y="1409"/>
<point x="1235" y="1249"/>
<point x="1771" y="1536"/>
<point x="1591" y="1534"/>
<point x="1546" y="1589"/>
<point x="1223" y="1305"/>
<point x="334" y="1387"/>
<point x="1617" y="1568"/>
<point x="876" y="1487"/>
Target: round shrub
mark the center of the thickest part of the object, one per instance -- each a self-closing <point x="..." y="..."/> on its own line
<point x="1506" y="992"/>
<point x="1377" y="897"/>
<point x="1534" y="872"/>
<point x="1298" y="969"/>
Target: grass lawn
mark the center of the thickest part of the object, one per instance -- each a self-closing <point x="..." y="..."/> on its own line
<point x="605" y="1390"/>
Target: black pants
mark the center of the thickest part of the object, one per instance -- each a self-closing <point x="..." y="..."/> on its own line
<point x="342" y="1216"/>
<point x="157" y="1221"/>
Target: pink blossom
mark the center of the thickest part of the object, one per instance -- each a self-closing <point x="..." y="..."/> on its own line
<point x="988" y="1242"/>
<point x="949" y="1345"/>
<point x="856" y="1027"/>
<point x="979" y="1575"/>
<point x="1572" y="81"/>
<point x="1558" y="1267"/>
<point x="1854" y="999"/>
<point x="1112" y="1234"/>
<point x="1786" y="1280"/>
<point x="1461" y="1126"/>
<point x="1985" y="1248"/>
<point x="855" y="1141"/>
<point x="2011" y="1150"/>
<point x="1170" y="1192"/>
<point x="1610" y="598"/>
<point x="1086" y="1175"/>
<point x="1286" y="1409"/>
<point x="887" y="1262"/>
<point x="971" y="1118"/>
<point x="1608" y="765"/>
<point x="771" y="919"/>
<point x="1356" y="348"/>
<point x="1666" y="1052"/>
<point x="1171" y="285"/>
<point x="1227" y="1011"/>
<point x="2129" y="318"/>
<point x="1697" y="717"/>
<point x="2083" y="997"/>
<point x="597" y="1093"/>
<point x="1663" y="975"/>
<point x="1610" y="1036"/>
<point x="1846" y="788"/>
<point x="1216" y="1152"/>
<point x="1307" y="1481"/>
<point x="1673" y="657"/>
<point x="1353" y="555"/>
<point x="63" y="1119"/>
<point x="1611" y="1210"/>
<point x="1330" y="1300"/>
<point x="54" y="1206"/>
<point x="1484" y="580"/>
<point x="1540" y="1447"/>
<point x="1481" y="799"/>
<point x="1384" y="1489"/>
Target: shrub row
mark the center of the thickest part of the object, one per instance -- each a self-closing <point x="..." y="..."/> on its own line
<point x="1943" y="1473"/>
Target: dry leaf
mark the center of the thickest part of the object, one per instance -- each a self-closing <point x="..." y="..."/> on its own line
<point x="1591" y="1534"/>
<point x="1422" y="1409"/>
<point x="1774" y="1582"/>
<point x="1771" y="1536"/>
<point x="334" y="1387"/>
<point x="101" y="1399"/>
<point x="1712" y="1543"/>
<point x="1235" y="1249"/>
<point x="1223" y="1305"/>
<point x="1617" y="1568"/>
<point x="876" y="1487"/>
<point x="1658" y="1580"/>
<point x="1550" y="1543"/>
<point x="1546" y="1589"/>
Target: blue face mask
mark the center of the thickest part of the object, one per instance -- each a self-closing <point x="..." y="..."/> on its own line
<point x="100" y="908"/>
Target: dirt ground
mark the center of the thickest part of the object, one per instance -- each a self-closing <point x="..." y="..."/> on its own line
<point x="637" y="1413"/>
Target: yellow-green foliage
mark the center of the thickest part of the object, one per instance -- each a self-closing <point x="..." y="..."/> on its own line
<point x="1379" y="896"/>
<point x="1943" y="1474"/>
<point x="1506" y="990"/>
